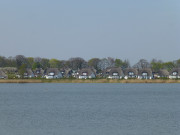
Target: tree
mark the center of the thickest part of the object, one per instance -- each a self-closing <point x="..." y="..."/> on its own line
<point x="118" y="63"/>
<point x="126" y="64"/>
<point x="30" y="61"/>
<point x="156" y="65"/>
<point x="10" y="62"/>
<point x="178" y="63"/>
<point x="77" y="63"/>
<point x="63" y="64"/>
<point x="38" y="59"/>
<point x="103" y="64"/>
<point x="93" y="63"/>
<point x="45" y="63"/>
<point x="168" y="65"/>
<point x="22" y="70"/>
<point x="111" y="61"/>
<point x="20" y="60"/>
<point x="142" y="64"/>
<point x="54" y="63"/>
<point x="2" y="61"/>
<point x="36" y="65"/>
<point x="123" y="64"/>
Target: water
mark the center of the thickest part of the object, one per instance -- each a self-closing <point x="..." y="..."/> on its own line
<point x="89" y="109"/>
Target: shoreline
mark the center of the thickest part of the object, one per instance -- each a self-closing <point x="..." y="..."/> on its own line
<point x="87" y="81"/>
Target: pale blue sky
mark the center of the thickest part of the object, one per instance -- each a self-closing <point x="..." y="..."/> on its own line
<point x="126" y="29"/>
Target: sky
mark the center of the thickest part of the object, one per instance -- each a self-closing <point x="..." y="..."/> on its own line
<point x="125" y="29"/>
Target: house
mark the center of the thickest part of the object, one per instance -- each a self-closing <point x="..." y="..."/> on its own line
<point x="28" y="73"/>
<point x="62" y="70"/>
<point x="68" y="73"/>
<point x="10" y="71"/>
<point x="175" y="73"/>
<point x="130" y="73"/>
<point x="114" y="73"/>
<point x="2" y="75"/>
<point x="145" y="73"/>
<point x="100" y="74"/>
<point x="53" y="73"/>
<point x="161" y="73"/>
<point x="38" y="72"/>
<point x="86" y="73"/>
<point x="75" y="73"/>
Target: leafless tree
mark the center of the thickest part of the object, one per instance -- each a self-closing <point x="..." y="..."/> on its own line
<point x="38" y="59"/>
<point x="77" y="63"/>
<point x="142" y="64"/>
<point x="111" y="61"/>
<point x="104" y="63"/>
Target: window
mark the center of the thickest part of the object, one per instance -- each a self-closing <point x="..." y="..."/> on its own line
<point x="51" y="73"/>
<point x="115" y="74"/>
<point x="84" y="73"/>
<point x="131" y="73"/>
<point x="144" y="74"/>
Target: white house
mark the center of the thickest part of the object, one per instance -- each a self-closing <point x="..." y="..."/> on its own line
<point x="130" y="73"/>
<point x="175" y="73"/>
<point x="28" y="73"/>
<point x="87" y="73"/>
<point x="114" y="73"/>
<point x="53" y="73"/>
<point x="145" y="74"/>
<point x="38" y="72"/>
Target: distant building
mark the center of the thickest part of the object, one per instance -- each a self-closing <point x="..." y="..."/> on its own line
<point x="130" y="73"/>
<point x="28" y="73"/>
<point x="68" y="72"/>
<point x="175" y="73"/>
<point x="86" y="73"/>
<point x="2" y="75"/>
<point x="38" y="72"/>
<point x="75" y="74"/>
<point x="161" y="73"/>
<point x="53" y="73"/>
<point x="145" y="74"/>
<point x="114" y="73"/>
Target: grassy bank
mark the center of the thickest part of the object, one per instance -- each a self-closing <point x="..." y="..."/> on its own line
<point x="86" y="81"/>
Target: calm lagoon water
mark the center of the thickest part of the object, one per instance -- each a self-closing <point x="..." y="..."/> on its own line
<point x="89" y="109"/>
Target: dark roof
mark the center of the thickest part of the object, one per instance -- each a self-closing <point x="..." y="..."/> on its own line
<point x="146" y="70"/>
<point x="89" y="71"/>
<point x="163" y="72"/>
<point x="112" y="70"/>
<point x="9" y="69"/>
<point x="52" y="70"/>
<point x="68" y="72"/>
<point x="29" y="71"/>
<point x="2" y="74"/>
<point x="39" y="71"/>
<point x="175" y="70"/>
<point x="127" y="70"/>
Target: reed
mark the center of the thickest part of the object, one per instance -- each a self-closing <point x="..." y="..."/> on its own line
<point x="86" y="81"/>
<point x="21" y="81"/>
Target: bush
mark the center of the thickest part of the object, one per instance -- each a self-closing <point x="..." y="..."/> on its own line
<point x="12" y="76"/>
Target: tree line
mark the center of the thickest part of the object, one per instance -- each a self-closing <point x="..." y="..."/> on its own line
<point x="20" y="61"/>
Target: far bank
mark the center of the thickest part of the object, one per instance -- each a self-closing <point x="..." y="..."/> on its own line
<point x="87" y="81"/>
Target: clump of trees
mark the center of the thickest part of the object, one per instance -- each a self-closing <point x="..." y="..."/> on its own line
<point x="21" y="63"/>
